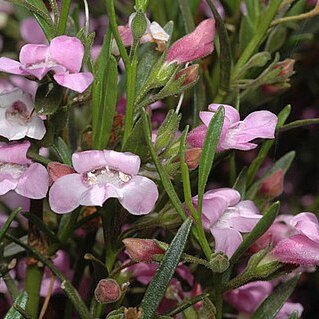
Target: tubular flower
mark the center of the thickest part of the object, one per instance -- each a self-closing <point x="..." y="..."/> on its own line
<point x="195" y="45"/>
<point x="236" y="134"/>
<point x="227" y="217"/>
<point x="17" y="116"/>
<point x="101" y="175"/>
<point x="20" y="174"/>
<point x="63" y="56"/>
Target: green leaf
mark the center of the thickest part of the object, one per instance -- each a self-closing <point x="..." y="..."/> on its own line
<point x="157" y="287"/>
<point x="8" y="222"/>
<point x="167" y="183"/>
<point x="104" y="96"/>
<point x="276" y="39"/>
<point x="167" y="131"/>
<point x="264" y="223"/>
<point x="63" y="151"/>
<point x="271" y="306"/>
<point x="186" y="15"/>
<point x="48" y="98"/>
<point x="241" y="183"/>
<point x="283" y="163"/>
<point x="21" y="302"/>
<point x="136" y="142"/>
<point x="208" y="152"/>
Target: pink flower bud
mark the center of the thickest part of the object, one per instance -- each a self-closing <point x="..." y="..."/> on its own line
<point x="273" y="185"/>
<point x="192" y="157"/>
<point x="194" y="45"/>
<point x="142" y="250"/>
<point x="107" y="291"/>
<point x="57" y="170"/>
<point x="286" y="67"/>
<point x="190" y="73"/>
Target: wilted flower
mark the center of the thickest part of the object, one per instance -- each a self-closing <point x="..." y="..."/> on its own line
<point x="194" y="45"/>
<point x="236" y="134"/>
<point x="63" y="56"/>
<point x="107" y="291"/>
<point x="18" y="118"/>
<point x="227" y="217"/>
<point x="102" y="175"/>
<point x="20" y="174"/>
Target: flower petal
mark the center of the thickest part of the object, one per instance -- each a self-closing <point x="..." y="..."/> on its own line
<point x="227" y="240"/>
<point x="196" y="137"/>
<point x="31" y="54"/>
<point x="89" y="160"/>
<point x="34" y="182"/>
<point x="15" y="153"/>
<point x="139" y="195"/>
<point x="67" y="51"/>
<point x="63" y="202"/>
<point x="78" y="82"/>
<point x="11" y="66"/>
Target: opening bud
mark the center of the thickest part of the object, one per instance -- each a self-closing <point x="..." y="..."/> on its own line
<point x="107" y="291"/>
<point x="273" y="185"/>
<point x="190" y="74"/>
<point x="57" y="170"/>
<point x="142" y="250"/>
<point x="192" y="157"/>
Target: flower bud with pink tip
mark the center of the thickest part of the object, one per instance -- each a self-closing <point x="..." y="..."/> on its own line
<point x="195" y="45"/>
<point x="107" y="291"/>
<point x="142" y="250"/>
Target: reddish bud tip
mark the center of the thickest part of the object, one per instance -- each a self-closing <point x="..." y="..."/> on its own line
<point x="142" y="250"/>
<point x="192" y="157"/>
<point x="107" y="291"/>
<point x="273" y="185"/>
<point x="190" y="73"/>
<point x="57" y="170"/>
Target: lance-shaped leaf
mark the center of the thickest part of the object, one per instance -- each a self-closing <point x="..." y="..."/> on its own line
<point x="19" y="303"/>
<point x="208" y="153"/>
<point x="271" y="306"/>
<point x="156" y="289"/>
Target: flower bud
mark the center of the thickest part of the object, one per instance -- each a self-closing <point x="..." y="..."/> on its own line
<point x="142" y="250"/>
<point x="57" y="170"/>
<point x="190" y="73"/>
<point x="107" y="291"/>
<point x="286" y="67"/>
<point x="192" y="157"/>
<point x="139" y="25"/>
<point x="219" y="262"/>
<point x="273" y="185"/>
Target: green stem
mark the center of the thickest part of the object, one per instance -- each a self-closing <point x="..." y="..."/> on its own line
<point x="70" y="291"/>
<point x="63" y="16"/>
<point x="130" y="93"/>
<point x="32" y="287"/>
<point x="298" y="123"/>
<point x="263" y="27"/>
<point x="112" y="18"/>
<point x="218" y="300"/>
<point x="11" y="286"/>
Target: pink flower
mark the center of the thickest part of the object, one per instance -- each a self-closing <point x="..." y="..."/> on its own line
<point x="17" y="116"/>
<point x="227" y="217"/>
<point x="288" y="309"/>
<point x="236" y="134"/>
<point x="153" y="33"/>
<point x="20" y="174"/>
<point x="249" y="297"/>
<point x="31" y="31"/>
<point x="102" y="175"/>
<point x="63" y="57"/>
<point x="194" y="45"/>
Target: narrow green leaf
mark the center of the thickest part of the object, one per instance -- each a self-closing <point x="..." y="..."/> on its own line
<point x="63" y="151"/>
<point x="208" y="152"/>
<point x="156" y="289"/>
<point x="187" y="15"/>
<point x="63" y="19"/>
<point x="264" y="223"/>
<point x="241" y="183"/>
<point x="8" y="222"/>
<point x="21" y="302"/>
<point x="225" y="59"/>
<point x="107" y="106"/>
<point x="271" y="306"/>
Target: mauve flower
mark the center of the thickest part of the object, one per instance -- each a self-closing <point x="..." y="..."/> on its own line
<point x="236" y="134"/>
<point x="31" y="31"/>
<point x="288" y="309"/>
<point x="194" y="45"/>
<point x="249" y="297"/>
<point x="18" y="118"/>
<point x="63" y="56"/>
<point x="20" y="174"/>
<point x="227" y="217"/>
<point x="102" y="175"/>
